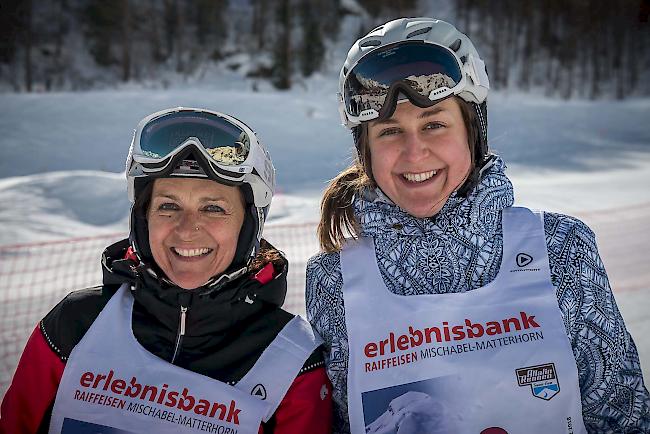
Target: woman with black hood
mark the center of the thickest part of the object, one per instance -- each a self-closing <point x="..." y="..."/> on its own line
<point x="186" y="333"/>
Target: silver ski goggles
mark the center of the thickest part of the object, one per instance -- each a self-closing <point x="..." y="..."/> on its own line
<point x="225" y="142"/>
<point x="188" y="142"/>
<point x="423" y="71"/>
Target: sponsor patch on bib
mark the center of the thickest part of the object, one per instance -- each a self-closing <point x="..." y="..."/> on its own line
<point x="542" y="380"/>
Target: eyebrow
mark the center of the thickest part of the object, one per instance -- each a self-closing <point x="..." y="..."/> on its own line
<point x="425" y="114"/>
<point x="202" y="199"/>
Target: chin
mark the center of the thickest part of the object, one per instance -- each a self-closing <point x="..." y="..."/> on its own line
<point x="189" y="284"/>
<point x="423" y="215"/>
<point x="425" y="209"/>
<point x="423" y="212"/>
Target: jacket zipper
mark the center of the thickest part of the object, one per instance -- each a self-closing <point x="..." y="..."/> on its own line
<point x="181" y="333"/>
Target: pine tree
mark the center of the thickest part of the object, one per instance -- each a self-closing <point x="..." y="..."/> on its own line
<point x="312" y="50"/>
<point x="282" y="52"/>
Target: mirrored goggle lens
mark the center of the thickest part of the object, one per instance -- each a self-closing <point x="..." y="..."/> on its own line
<point x="226" y="143"/>
<point x="422" y="66"/>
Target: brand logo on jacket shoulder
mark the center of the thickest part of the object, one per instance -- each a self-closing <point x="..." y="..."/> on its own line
<point x="542" y="380"/>
<point x="259" y="391"/>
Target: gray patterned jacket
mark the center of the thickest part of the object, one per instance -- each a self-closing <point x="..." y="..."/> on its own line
<point x="459" y="250"/>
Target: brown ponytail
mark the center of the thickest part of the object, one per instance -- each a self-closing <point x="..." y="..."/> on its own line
<point x="337" y="215"/>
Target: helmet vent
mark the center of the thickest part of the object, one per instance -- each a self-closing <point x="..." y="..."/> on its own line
<point x="456" y="45"/>
<point x="370" y="43"/>
<point x="419" y="32"/>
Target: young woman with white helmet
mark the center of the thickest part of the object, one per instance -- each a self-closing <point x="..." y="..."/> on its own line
<point x="187" y="331"/>
<point x="443" y="307"/>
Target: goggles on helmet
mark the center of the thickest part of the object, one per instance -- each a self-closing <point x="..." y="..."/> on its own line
<point x="231" y="150"/>
<point x="425" y="72"/>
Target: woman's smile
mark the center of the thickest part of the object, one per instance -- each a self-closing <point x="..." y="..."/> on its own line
<point x="199" y="253"/>
<point x="419" y="178"/>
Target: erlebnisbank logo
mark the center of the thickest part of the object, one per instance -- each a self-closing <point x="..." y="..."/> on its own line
<point x="449" y="332"/>
<point x="163" y="395"/>
<point x="448" y="340"/>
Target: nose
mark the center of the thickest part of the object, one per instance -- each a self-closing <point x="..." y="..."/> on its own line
<point x="188" y="225"/>
<point x="414" y="147"/>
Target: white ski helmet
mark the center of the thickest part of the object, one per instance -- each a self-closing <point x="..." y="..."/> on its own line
<point x="472" y="86"/>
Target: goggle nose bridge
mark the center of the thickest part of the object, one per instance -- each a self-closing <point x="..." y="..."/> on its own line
<point x="187" y="159"/>
<point x="401" y="87"/>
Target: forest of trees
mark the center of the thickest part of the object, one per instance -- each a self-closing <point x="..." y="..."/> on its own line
<point x="567" y="48"/>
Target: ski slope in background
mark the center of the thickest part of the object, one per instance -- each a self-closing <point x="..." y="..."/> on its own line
<point x="62" y="161"/>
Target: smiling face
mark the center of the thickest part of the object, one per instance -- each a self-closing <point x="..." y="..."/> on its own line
<point x="420" y="156"/>
<point x="194" y="226"/>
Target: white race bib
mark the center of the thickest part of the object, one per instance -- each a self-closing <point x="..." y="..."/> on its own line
<point x="494" y="360"/>
<point x="111" y="384"/>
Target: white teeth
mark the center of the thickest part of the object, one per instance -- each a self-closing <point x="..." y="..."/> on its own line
<point x="419" y="177"/>
<point x="191" y="252"/>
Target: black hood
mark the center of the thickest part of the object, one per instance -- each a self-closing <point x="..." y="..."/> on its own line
<point x="117" y="269"/>
<point x="227" y="328"/>
<point x="209" y="310"/>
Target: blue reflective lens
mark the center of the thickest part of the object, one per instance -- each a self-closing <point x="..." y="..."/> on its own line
<point x="226" y="143"/>
<point x="422" y="66"/>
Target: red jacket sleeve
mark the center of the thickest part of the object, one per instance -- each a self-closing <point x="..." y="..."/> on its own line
<point x="307" y="406"/>
<point x="33" y="387"/>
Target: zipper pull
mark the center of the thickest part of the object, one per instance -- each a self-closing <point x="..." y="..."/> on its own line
<point x="181" y="333"/>
<point x="182" y="323"/>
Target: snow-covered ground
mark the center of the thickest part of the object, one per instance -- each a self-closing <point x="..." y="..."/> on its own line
<point x="62" y="157"/>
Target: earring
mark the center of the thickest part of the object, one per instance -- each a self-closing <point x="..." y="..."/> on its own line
<point x="197" y="228"/>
